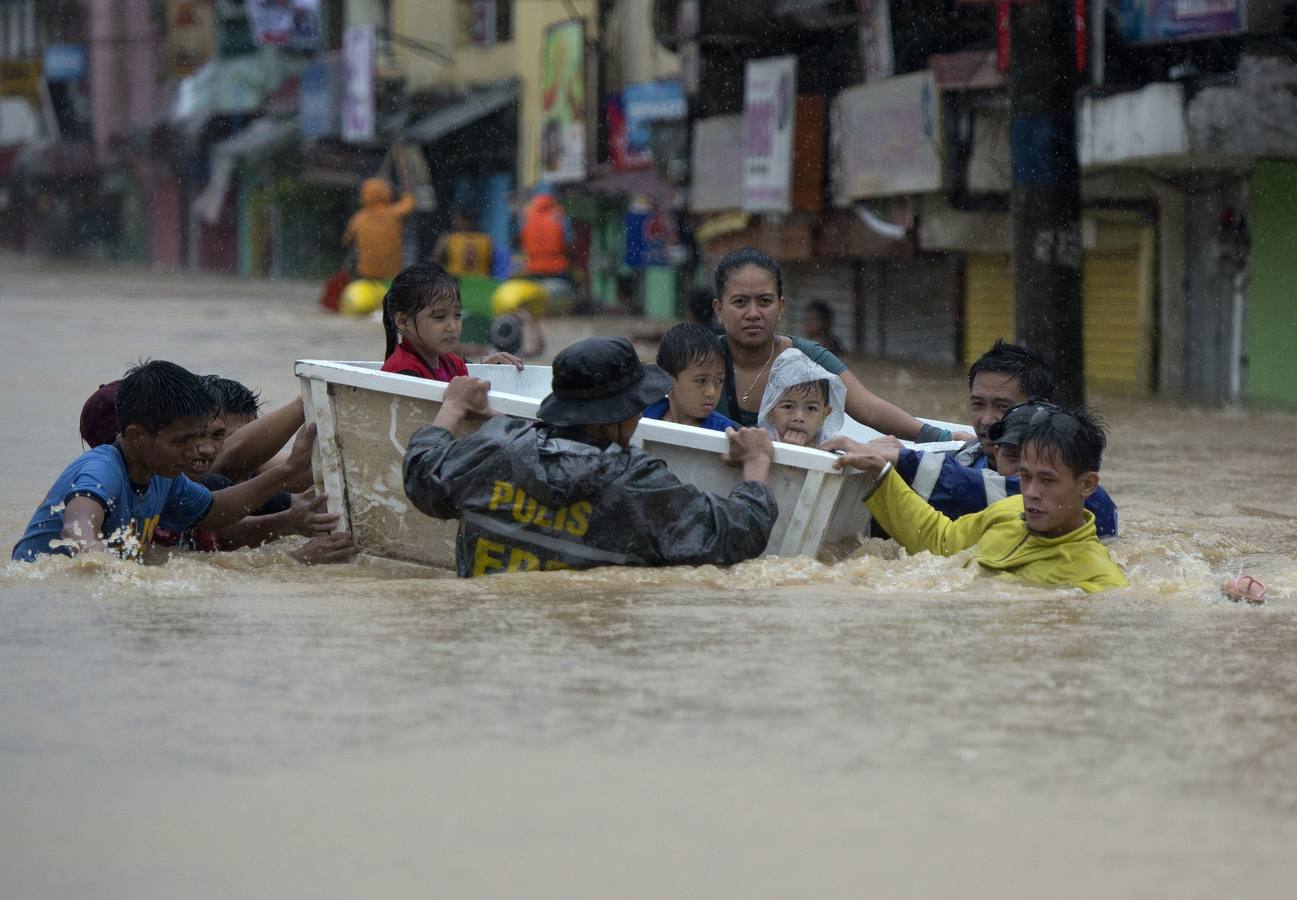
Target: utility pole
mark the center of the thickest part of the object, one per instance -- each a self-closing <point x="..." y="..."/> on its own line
<point x="1047" y="249"/>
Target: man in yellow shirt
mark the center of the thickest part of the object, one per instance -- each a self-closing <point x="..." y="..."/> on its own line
<point x="463" y="250"/>
<point x="1045" y="534"/>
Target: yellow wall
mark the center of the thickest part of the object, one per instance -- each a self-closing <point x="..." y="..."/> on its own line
<point x="1117" y="305"/>
<point x="636" y="56"/>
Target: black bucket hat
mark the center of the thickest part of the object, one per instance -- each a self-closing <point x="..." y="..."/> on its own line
<point x="600" y="380"/>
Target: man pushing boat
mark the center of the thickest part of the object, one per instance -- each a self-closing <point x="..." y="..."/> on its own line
<point x="569" y="491"/>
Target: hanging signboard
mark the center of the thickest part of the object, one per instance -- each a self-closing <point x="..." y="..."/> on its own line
<point x="716" y="162"/>
<point x="639" y="106"/>
<point x="1151" y="21"/>
<point x="562" y="103"/>
<point x="294" y="24"/>
<point x="885" y="139"/>
<point x="358" y="91"/>
<point x="769" y="119"/>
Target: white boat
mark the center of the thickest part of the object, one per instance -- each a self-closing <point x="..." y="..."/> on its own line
<point x="365" y="417"/>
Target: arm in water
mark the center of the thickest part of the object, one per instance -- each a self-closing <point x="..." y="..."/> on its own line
<point x="248" y="449"/>
<point x="233" y="503"/>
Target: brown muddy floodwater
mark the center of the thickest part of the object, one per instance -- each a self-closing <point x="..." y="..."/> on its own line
<point x="237" y="725"/>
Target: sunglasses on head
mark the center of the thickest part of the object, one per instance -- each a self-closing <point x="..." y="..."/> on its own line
<point x="1067" y="425"/>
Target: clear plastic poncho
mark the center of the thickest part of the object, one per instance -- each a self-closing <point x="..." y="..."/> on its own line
<point x="791" y="368"/>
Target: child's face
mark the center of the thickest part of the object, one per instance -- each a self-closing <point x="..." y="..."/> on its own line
<point x="696" y="390"/>
<point x="799" y="414"/>
<point x="1053" y="496"/>
<point x="171" y="450"/>
<point x="434" y="330"/>
<point x="1008" y="459"/>
<point x="210" y="444"/>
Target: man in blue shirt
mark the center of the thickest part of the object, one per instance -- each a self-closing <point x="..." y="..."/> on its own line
<point x="116" y="496"/>
<point x="967" y="481"/>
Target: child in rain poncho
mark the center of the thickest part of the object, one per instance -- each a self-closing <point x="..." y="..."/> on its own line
<point x="803" y="403"/>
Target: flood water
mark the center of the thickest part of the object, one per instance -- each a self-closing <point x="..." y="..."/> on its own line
<point x="238" y="725"/>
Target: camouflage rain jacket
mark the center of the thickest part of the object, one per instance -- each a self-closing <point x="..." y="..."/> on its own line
<point x="533" y="496"/>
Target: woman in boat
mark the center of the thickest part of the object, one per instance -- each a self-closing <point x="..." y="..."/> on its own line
<point x="749" y="304"/>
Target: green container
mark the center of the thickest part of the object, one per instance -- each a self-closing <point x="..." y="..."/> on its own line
<point x="475" y="293"/>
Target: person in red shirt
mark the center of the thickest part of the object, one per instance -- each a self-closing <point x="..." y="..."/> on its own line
<point x="422" y="319"/>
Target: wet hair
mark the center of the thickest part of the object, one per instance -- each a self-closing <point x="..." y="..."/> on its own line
<point x="747" y="256"/>
<point x="1077" y="437"/>
<point x="1033" y="373"/>
<point x="232" y="397"/>
<point x="818" y="386"/>
<point x="156" y="393"/>
<point x="687" y="344"/>
<point x="416" y="287"/>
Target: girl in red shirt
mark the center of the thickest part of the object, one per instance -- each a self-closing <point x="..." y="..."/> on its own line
<point x="422" y="319"/>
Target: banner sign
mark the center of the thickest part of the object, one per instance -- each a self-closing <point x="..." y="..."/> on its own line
<point x="648" y="235"/>
<point x="640" y="105"/>
<point x="1150" y="21"/>
<point x="562" y="103"/>
<point x="64" y="62"/>
<point x="321" y="98"/>
<point x="294" y="24"/>
<point x="885" y="139"/>
<point x="716" y="162"/>
<point x="358" y="92"/>
<point x="769" y="114"/>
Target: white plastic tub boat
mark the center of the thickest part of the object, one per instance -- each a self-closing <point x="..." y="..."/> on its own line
<point x="365" y="417"/>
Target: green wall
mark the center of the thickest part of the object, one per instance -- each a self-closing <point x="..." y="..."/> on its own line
<point x="1272" y="294"/>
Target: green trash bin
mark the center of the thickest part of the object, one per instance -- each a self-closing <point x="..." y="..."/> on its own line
<point x="475" y="292"/>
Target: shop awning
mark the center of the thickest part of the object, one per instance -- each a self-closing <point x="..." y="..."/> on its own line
<point x="632" y="183"/>
<point x="465" y="112"/>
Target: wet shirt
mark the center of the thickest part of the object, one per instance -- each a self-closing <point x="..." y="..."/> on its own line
<point x="1001" y="540"/>
<point x="405" y="360"/>
<point x="956" y="489"/>
<point x="729" y="402"/>
<point x="534" y="497"/>
<point x="714" y="421"/>
<point x="132" y="513"/>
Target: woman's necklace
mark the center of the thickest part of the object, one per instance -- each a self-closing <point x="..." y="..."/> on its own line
<point x="744" y="396"/>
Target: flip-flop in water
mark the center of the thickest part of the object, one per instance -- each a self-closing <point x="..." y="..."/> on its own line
<point x="1244" y="588"/>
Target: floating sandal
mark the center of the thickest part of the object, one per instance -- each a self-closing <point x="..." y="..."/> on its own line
<point x="1244" y="588"/>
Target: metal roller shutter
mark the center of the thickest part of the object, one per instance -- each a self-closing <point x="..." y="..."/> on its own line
<point x="918" y="301"/>
<point x="988" y="302"/>
<point x="835" y="284"/>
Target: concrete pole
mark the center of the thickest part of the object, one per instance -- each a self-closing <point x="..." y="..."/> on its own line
<point x="1047" y="250"/>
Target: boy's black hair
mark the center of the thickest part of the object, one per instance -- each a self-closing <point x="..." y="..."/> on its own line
<point x="414" y="288"/>
<point x="747" y="256"/>
<point x="156" y="393"/>
<point x="687" y="344"/>
<point x="1033" y="373"/>
<point x="1076" y="437"/>
<point x="819" y="386"/>
<point x="233" y="397"/>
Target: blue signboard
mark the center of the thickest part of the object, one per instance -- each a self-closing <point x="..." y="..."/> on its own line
<point x="64" y="62"/>
<point x="646" y="102"/>
<point x="1150" y="21"/>
<point x="648" y="232"/>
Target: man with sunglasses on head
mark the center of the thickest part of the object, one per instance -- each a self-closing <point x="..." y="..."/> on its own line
<point x="971" y="479"/>
<point x="1044" y="535"/>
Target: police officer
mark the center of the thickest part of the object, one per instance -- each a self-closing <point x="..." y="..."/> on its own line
<point x="568" y="491"/>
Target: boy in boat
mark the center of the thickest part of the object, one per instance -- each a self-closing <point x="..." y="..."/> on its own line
<point x="115" y="496"/>
<point x="971" y="479"/>
<point x="691" y="357"/>
<point x="1045" y="534"/>
<point x="803" y="403"/>
<point x="569" y="491"/>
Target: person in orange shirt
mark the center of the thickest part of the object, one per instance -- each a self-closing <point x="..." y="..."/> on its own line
<point x="545" y="237"/>
<point x="375" y="231"/>
<point x="463" y="250"/>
